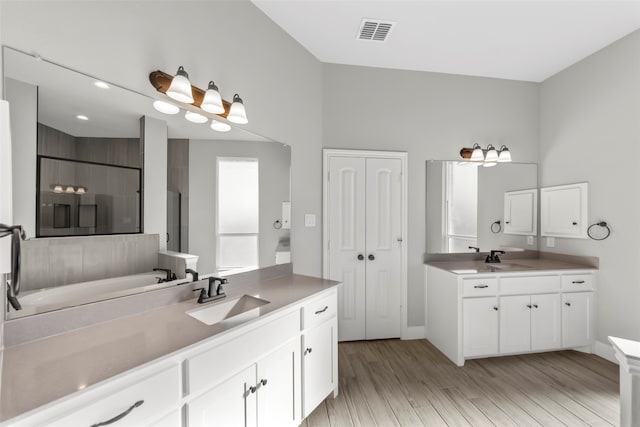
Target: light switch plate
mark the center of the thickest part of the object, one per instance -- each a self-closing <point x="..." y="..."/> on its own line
<point x="309" y="220"/>
<point x="551" y="242"/>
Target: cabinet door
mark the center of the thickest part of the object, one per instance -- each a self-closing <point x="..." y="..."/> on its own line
<point x="278" y="387"/>
<point x="515" y="324"/>
<point x="577" y="310"/>
<point x="521" y="212"/>
<point x="545" y="322"/>
<point x="480" y="326"/>
<point x="317" y="365"/>
<point x="563" y="210"/>
<point x="231" y="403"/>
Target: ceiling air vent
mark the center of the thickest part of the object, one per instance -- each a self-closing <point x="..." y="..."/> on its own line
<point x="374" y="30"/>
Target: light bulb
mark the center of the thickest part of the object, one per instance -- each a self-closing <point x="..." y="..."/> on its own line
<point x="180" y="88"/>
<point x="195" y="117"/>
<point x="212" y="102"/>
<point x="165" y="107"/>
<point x="237" y="113"/>
<point x="220" y="126"/>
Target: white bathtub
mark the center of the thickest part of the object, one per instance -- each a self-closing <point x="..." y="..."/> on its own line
<point x="85" y="292"/>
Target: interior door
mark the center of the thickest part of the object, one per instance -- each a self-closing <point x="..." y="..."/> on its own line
<point x="384" y="248"/>
<point x="346" y="207"/>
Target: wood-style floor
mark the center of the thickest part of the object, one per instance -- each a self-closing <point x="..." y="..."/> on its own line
<point x="410" y="383"/>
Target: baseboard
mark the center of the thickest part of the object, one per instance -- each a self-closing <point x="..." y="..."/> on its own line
<point x="413" y="333"/>
<point x="605" y="351"/>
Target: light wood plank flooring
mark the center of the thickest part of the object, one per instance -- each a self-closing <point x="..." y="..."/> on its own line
<point x="410" y="383"/>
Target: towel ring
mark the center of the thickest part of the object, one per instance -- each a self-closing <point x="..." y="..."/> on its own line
<point x="494" y="229"/>
<point x="599" y="224"/>
<point x="277" y="224"/>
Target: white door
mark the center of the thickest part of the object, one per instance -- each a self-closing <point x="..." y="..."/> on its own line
<point x="520" y="212"/>
<point x="515" y="324"/>
<point x="545" y="322"/>
<point x="576" y="319"/>
<point x="480" y="326"/>
<point x="364" y="224"/>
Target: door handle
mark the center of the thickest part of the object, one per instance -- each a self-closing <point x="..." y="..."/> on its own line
<point x="371" y="257"/>
<point x="360" y="257"/>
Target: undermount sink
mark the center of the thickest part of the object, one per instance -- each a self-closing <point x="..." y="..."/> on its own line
<point x="505" y="266"/>
<point x="238" y="309"/>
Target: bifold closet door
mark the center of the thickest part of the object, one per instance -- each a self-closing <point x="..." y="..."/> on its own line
<point x="364" y="209"/>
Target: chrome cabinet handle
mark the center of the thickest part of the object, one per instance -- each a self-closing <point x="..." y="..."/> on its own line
<point x="263" y="381"/>
<point x="120" y="416"/>
<point x="578" y="282"/>
<point x="481" y="286"/>
<point x="323" y="310"/>
<point x="253" y="389"/>
<point x="307" y="350"/>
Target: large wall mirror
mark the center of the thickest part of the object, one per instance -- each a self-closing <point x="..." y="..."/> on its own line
<point x="79" y="144"/>
<point x="465" y="206"/>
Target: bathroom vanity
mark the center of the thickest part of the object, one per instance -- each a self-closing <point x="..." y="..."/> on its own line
<point x="272" y="364"/>
<point x="476" y="309"/>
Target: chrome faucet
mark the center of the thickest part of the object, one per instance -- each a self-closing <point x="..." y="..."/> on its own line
<point x="214" y="292"/>
<point x="493" y="257"/>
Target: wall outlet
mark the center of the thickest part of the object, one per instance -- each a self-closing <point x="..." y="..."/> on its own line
<point x="529" y="240"/>
<point x="551" y="242"/>
<point x="309" y="220"/>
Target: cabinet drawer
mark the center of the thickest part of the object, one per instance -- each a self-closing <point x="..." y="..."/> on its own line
<point x="529" y="285"/>
<point x="158" y="393"/>
<point x="479" y="287"/>
<point x="214" y="365"/>
<point x="319" y="309"/>
<point x="577" y="282"/>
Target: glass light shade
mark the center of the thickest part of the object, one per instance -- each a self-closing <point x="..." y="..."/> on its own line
<point x="58" y="189"/>
<point x="70" y="189"/>
<point x="81" y="190"/>
<point x="237" y="113"/>
<point x="101" y="84"/>
<point x="220" y="126"/>
<point x="195" y="117"/>
<point x="82" y="117"/>
<point x="212" y="102"/>
<point x="505" y="154"/>
<point x="477" y="155"/>
<point x="489" y="164"/>
<point x="180" y="88"/>
<point x="165" y="107"/>
<point x="492" y="154"/>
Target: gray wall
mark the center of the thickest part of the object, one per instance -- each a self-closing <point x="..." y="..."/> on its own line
<point x="277" y="78"/>
<point x="274" y="161"/>
<point x="431" y="116"/>
<point x="590" y="131"/>
<point x="178" y="181"/>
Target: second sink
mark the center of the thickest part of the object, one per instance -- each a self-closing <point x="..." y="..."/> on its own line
<point x="241" y="308"/>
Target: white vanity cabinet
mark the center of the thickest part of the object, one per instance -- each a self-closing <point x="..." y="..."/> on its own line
<point x="521" y="212"/>
<point x="492" y="314"/>
<point x="564" y="210"/>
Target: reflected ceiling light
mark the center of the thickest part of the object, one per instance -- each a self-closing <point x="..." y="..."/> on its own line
<point x="101" y="84"/>
<point x="70" y="189"/>
<point x="81" y="190"/>
<point x="486" y="156"/>
<point x="165" y="107"/>
<point x="180" y="88"/>
<point x="195" y="117"/>
<point x="220" y="126"/>
<point x="57" y="188"/>
<point x="212" y="101"/>
<point x="237" y="113"/>
<point x="82" y="117"/>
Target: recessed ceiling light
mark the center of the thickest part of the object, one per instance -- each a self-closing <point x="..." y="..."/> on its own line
<point x="165" y="107"/>
<point x="82" y="117"/>
<point x="101" y="85"/>
<point x="220" y="126"/>
<point x="195" y="117"/>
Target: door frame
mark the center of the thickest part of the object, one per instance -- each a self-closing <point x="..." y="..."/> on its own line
<point x="403" y="157"/>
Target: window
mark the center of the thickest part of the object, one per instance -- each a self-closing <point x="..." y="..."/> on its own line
<point x="238" y="213"/>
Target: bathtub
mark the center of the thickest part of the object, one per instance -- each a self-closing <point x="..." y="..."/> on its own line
<point x="48" y="299"/>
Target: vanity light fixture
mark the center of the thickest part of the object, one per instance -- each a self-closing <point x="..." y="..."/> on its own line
<point x="220" y="126"/>
<point x="486" y="157"/>
<point x="195" y="117"/>
<point x="68" y="189"/>
<point x="165" y="107"/>
<point x="237" y="113"/>
<point x="212" y="101"/>
<point x="180" y="88"/>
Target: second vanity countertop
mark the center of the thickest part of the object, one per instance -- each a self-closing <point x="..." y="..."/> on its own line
<point x="525" y="265"/>
<point x="39" y="372"/>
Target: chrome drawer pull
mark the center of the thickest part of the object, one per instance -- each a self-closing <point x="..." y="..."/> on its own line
<point x="323" y="310"/>
<point x="578" y="282"/>
<point x="121" y="416"/>
<point x="481" y="286"/>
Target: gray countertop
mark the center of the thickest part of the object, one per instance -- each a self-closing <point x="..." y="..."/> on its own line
<point x="524" y="265"/>
<point x="42" y="371"/>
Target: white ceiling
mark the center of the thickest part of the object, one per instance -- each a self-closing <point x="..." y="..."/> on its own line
<point x="519" y="40"/>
